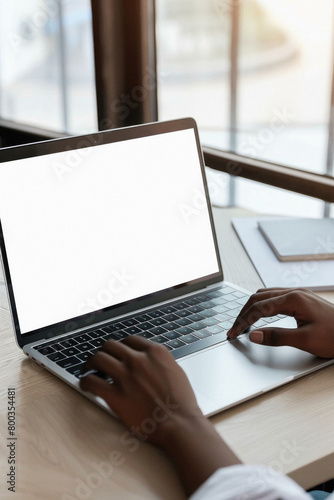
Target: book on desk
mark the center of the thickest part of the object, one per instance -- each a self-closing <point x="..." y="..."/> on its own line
<point x="306" y="267"/>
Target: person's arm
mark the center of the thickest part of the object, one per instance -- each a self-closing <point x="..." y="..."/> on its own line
<point x="314" y="320"/>
<point x="151" y="395"/>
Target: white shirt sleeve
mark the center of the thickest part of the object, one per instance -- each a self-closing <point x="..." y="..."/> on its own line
<point x="249" y="482"/>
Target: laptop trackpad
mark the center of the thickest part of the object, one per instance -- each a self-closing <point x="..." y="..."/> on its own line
<point x="235" y="371"/>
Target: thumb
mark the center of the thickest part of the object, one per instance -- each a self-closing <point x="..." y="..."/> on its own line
<point x="278" y="337"/>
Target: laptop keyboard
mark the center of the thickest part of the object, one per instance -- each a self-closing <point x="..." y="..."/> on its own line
<point x="183" y="327"/>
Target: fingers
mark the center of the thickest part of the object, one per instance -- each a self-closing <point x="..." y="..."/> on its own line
<point x="97" y="386"/>
<point x="108" y="360"/>
<point x="267" y="303"/>
<point x="115" y="359"/>
<point x="105" y="363"/>
<point x="279" y="337"/>
<point x="302" y="338"/>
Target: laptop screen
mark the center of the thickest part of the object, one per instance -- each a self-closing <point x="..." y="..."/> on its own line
<point x="87" y="229"/>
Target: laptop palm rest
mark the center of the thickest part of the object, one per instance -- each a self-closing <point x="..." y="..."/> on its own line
<point x="236" y="371"/>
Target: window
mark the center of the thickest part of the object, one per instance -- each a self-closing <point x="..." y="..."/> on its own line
<point x="47" y="66"/>
<point x="257" y="76"/>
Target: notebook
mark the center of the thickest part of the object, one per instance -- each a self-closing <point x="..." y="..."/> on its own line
<point x="111" y="234"/>
<point x="299" y="238"/>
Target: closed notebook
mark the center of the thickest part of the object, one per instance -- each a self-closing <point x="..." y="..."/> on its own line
<point x="299" y="239"/>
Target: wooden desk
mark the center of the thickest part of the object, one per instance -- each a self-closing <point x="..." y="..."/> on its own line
<point x="68" y="448"/>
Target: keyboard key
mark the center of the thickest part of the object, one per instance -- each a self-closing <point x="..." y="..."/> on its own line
<point x="239" y="295"/>
<point x="46" y="350"/>
<point x="82" y="338"/>
<point x="228" y="324"/>
<point x="184" y="330"/>
<point x="68" y="343"/>
<point x="130" y="322"/>
<point x="167" y="309"/>
<point x="56" y="356"/>
<point x="215" y="293"/>
<point x="143" y="317"/>
<point x="242" y="301"/>
<point x="223" y="317"/>
<point x="85" y="346"/>
<point x="196" y="317"/>
<point x="71" y="351"/>
<point x="202" y="334"/>
<point x="221" y="308"/>
<point x="229" y="298"/>
<point x="158" y="321"/>
<point x="183" y="313"/>
<point x="146" y="335"/>
<point x="193" y="301"/>
<point x="170" y="317"/>
<point x="180" y="305"/>
<point x="156" y="314"/>
<point x="115" y="327"/>
<point x="96" y="342"/>
<point x="84" y="355"/>
<point x="210" y="321"/>
<point x="208" y="313"/>
<point x="188" y="339"/>
<point x="183" y="322"/>
<point x="259" y="324"/>
<point x="202" y="297"/>
<point x="175" y="343"/>
<point x="159" y="339"/>
<point x="158" y="330"/>
<point x="38" y="347"/>
<point x="172" y="335"/>
<point x="146" y="326"/>
<point x="226" y="290"/>
<point x="112" y="336"/>
<point x="75" y="370"/>
<point x="196" y="309"/>
<point x="208" y="304"/>
<point x="197" y="326"/>
<point x="119" y="336"/>
<point x="220" y="300"/>
<point x="233" y="312"/>
<point x="132" y="330"/>
<point x="215" y="329"/>
<point x="66" y="363"/>
<point x="171" y="326"/>
<point x="232" y="305"/>
<point x="57" y="347"/>
<point x="271" y="319"/>
<point x="97" y="334"/>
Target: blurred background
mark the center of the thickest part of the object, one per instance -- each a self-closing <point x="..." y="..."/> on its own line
<point x="281" y="89"/>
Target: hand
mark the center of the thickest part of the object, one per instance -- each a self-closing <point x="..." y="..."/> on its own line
<point x="314" y="317"/>
<point x="148" y="385"/>
<point x="152" y="396"/>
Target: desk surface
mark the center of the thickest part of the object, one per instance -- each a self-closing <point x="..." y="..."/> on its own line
<point x="68" y="448"/>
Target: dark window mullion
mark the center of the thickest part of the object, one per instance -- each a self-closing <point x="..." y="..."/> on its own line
<point x="125" y="70"/>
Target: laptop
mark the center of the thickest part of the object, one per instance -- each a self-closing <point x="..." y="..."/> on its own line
<point x="111" y="234"/>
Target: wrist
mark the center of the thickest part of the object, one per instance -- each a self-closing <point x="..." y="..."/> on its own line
<point x="195" y="448"/>
<point x="180" y="428"/>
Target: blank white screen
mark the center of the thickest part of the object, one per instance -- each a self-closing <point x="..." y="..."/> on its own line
<point x="99" y="226"/>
